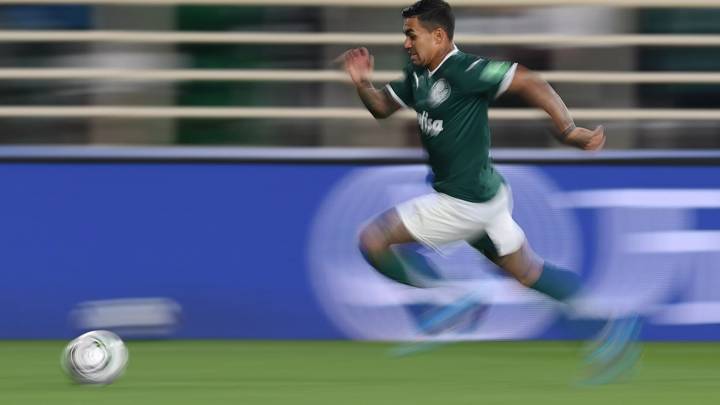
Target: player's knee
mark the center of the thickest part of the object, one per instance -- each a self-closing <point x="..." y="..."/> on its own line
<point x="524" y="271"/>
<point x="525" y="278"/>
<point x="372" y="244"/>
<point x="523" y="265"/>
<point x="529" y="274"/>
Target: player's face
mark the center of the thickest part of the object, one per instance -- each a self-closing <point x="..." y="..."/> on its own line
<point x="420" y="43"/>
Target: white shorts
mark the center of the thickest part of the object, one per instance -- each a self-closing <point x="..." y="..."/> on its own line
<point x="437" y="219"/>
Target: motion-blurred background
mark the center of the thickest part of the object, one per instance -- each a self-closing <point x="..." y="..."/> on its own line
<point x="610" y="62"/>
<point x="178" y="169"/>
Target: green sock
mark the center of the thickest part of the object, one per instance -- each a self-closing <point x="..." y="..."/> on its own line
<point x="404" y="265"/>
<point x="557" y="283"/>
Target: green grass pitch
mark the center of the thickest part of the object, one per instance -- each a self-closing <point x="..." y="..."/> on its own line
<point x="349" y="373"/>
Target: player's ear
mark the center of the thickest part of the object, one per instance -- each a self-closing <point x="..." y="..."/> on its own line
<point x="439" y="36"/>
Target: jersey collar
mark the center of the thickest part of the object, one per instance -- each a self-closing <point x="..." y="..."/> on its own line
<point x="451" y="53"/>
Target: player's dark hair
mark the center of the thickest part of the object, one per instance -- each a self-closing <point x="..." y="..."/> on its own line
<point x="433" y="14"/>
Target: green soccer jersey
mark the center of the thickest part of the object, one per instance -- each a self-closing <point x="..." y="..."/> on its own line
<point x="452" y="109"/>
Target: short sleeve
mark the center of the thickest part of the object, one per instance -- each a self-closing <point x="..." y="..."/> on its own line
<point x="401" y="90"/>
<point x="490" y="77"/>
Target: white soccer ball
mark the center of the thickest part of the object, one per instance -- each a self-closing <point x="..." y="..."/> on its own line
<point x="97" y="357"/>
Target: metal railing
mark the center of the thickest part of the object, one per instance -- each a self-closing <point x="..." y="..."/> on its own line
<point x="345" y="38"/>
<point x="326" y="76"/>
<point x="350" y="38"/>
<point x="130" y="112"/>
<point x="390" y="3"/>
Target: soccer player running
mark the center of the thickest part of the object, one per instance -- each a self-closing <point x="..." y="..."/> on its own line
<point x="451" y="90"/>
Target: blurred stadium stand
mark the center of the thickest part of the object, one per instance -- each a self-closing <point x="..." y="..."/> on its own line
<point x="253" y="72"/>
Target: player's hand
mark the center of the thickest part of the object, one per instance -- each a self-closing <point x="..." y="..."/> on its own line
<point x="359" y="64"/>
<point x="586" y="139"/>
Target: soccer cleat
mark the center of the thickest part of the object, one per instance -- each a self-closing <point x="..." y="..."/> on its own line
<point x="613" y="355"/>
<point x="459" y="316"/>
<point x="450" y="317"/>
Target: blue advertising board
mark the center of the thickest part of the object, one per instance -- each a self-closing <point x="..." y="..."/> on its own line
<point x="267" y="250"/>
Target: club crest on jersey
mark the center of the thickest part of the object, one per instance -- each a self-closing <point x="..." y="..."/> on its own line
<point x="439" y="92"/>
<point x="429" y="126"/>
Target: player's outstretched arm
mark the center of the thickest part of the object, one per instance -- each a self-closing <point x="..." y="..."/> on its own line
<point x="358" y="64"/>
<point x="537" y="92"/>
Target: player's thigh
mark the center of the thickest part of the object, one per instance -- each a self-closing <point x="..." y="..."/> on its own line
<point x="504" y="243"/>
<point x="522" y="264"/>
<point x="501" y="236"/>
<point x="383" y="231"/>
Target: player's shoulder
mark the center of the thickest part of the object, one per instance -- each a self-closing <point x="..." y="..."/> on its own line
<point x="465" y="60"/>
<point x="469" y="65"/>
<point x="463" y="63"/>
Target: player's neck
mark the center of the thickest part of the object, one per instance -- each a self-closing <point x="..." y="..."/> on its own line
<point x="440" y="56"/>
